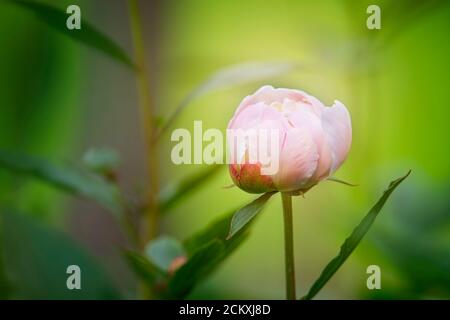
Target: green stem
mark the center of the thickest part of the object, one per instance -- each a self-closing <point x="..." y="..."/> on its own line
<point x="150" y="214"/>
<point x="289" y="246"/>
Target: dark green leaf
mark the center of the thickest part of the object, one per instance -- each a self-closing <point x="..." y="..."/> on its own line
<point x="5" y="286"/>
<point x="206" y="249"/>
<point x="421" y="262"/>
<point x="217" y="230"/>
<point x="247" y="213"/>
<point x="231" y="76"/>
<point x="87" y="35"/>
<point x="170" y="195"/>
<point x="67" y="178"/>
<point x="143" y="268"/>
<point x="195" y="269"/>
<point x="352" y="242"/>
<point x="36" y="258"/>
<point x="163" y="250"/>
<point x="201" y="263"/>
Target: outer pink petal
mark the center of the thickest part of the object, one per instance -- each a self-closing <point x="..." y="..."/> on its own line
<point x="337" y="125"/>
<point x="246" y="118"/>
<point x="269" y="94"/>
<point x="256" y="117"/>
<point x="308" y="119"/>
<point x="298" y="161"/>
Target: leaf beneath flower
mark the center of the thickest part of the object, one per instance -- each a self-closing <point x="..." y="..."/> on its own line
<point x="245" y="214"/>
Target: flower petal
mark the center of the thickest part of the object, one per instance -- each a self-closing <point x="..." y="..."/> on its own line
<point x="307" y="118"/>
<point x="336" y="123"/>
<point x="298" y="161"/>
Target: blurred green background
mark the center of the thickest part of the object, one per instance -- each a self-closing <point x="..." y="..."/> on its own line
<point x="59" y="98"/>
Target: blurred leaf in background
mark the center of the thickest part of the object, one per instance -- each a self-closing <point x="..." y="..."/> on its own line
<point x="230" y="76"/>
<point x="39" y="99"/>
<point x="67" y="178"/>
<point x="35" y="259"/>
<point x="202" y="254"/>
<point x="415" y="239"/>
<point x="163" y="251"/>
<point x="104" y="161"/>
<point x="56" y="18"/>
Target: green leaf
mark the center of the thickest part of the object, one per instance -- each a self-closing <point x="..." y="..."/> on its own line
<point x="247" y="213"/>
<point x="67" y="178"/>
<point x="163" y="250"/>
<point x="88" y="35"/>
<point x="36" y="258"/>
<point x="102" y="161"/>
<point x="5" y="286"/>
<point x="40" y="102"/>
<point x="230" y="76"/>
<point x="195" y="269"/>
<point x="411" y="255"/>
<point x="342" y="182"/>
<point x="352" y="242"/>
<point x="144" y="269"/>
<point x="206" y="249"/>
<point x="172" y="194"/>
<point x="217" y="230"/>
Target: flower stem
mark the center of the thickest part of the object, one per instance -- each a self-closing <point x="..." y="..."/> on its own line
<point x="150" y="214"/>
<point x="288" y="246"/>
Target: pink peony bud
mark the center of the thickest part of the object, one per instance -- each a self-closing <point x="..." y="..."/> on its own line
<point x="312" y="140"/>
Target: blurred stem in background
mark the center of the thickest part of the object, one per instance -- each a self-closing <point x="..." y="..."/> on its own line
<point x="288" y="246"/>
<point x="150" y="214"/>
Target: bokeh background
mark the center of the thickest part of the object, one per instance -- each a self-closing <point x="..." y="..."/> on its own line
<point x="59" y="99"/>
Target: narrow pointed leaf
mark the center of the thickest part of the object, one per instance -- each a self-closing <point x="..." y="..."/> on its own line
<point x="352" y="242"/>
<point x="247" y="213"/>
<point x="173" y="193"/>
<point x="88" y="35"/>
<point x="67" y="178"/>
<point x="231" y="76"/>
<point x="333" y="179"/>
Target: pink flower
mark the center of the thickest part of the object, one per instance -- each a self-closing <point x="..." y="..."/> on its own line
<point x="314" y="140"/>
